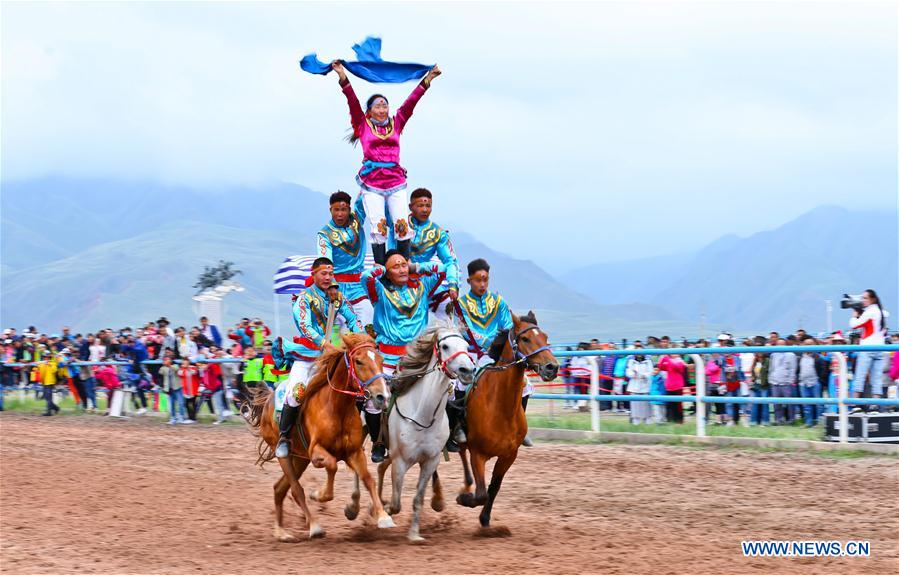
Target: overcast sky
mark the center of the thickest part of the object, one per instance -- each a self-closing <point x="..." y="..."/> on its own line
<point x="563" y="133"/>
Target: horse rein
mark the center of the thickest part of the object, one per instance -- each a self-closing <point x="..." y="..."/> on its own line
<point x="441" y="364"/>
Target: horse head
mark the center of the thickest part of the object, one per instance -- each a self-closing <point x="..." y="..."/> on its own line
<point x="364" y="365"/>
<point x="530" y="343"/>
<point x="451" y="349"/>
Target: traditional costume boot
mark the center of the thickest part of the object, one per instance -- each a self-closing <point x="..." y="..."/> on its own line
<point x="526" y="442"/>
<point x="378" y="449"/>
<point x="286" y="423"/>
<point x="404" y="247"/>
<point x="379" y="252"/>
<point x="452" y="413"/>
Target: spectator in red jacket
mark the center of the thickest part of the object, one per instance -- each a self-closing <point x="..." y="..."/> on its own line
<point x="190" y="383"/>
<point x="107" y="376"/>
<point x="676" y="369"/>
<point x="211" y="375"/>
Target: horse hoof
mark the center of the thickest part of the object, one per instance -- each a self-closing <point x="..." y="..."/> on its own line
<point x="465" y="500"/>
<point x="415" y="538"/>
<point x="285" y="537"/>
<point x="316" y="532"/>
<point x="386" y="522"/>
<point x="438" y="505"/>
<point x="389" y="510"/>
<point x="351" y="512"/>
<point x="318" y="497"/>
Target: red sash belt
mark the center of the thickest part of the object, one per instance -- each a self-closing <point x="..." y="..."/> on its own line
<point x="347" y="278"/>
<point x="392" y="349"/>
<point x="305" y="342"/>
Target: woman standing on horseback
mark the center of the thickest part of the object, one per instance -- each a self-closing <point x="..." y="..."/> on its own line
<point x="382" y="180"/>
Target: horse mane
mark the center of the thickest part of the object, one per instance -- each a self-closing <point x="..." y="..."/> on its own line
<point x="327" y="360"/>
<point x="418" y="355"/>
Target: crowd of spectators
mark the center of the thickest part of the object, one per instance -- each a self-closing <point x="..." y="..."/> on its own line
<point x="183" y="372"/>
<point x="781" y="374"/>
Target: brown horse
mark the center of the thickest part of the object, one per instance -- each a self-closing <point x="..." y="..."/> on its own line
<point x="331" y="428"/>
<point x="496" y="420"/>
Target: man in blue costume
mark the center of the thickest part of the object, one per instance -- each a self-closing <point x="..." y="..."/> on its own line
<point x="342" y="241"/>
<point x="486" y="314"/>
<point x="400" y="315"/>
<point x="429" y="240"/>
<point x="310" y="314"/>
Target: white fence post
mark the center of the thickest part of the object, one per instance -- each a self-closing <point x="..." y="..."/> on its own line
<point x="594" y="391"/>
<point x="843" y="393"/>
<point x="700" y="393"/>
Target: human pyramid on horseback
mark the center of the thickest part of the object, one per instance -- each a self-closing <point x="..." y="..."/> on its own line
<point x="412" y="383"/>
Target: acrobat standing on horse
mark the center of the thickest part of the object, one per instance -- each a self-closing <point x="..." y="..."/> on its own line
<point x="310" y="314"/>
<point x="381" y="178"/>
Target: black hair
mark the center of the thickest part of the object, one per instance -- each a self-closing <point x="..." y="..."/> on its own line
<point x="475" y="266"/>
<point x="394" y="252"/>
<point x="371" y="100"/>
<point x="883" y="318"/>
<point x="322" y="261"/>
<point x="340" y="196"/>
<point x="420" y="193"/>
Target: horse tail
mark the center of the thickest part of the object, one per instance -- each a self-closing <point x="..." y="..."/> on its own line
<point x="258" y="399"/>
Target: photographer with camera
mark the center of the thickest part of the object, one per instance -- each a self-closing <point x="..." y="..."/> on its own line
<point x="869" y="318"/>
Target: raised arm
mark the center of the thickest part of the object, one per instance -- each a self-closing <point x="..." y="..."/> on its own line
<point x="405" y="111"/>
<point x="447" y="255"/>
<point x="357" y="116"/>
<point x="371" y="284"/>
<point x="323" y="247"/>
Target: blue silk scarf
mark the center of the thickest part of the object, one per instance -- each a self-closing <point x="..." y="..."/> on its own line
<point x="370" y="66"/>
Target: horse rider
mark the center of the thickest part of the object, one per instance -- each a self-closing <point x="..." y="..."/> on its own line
<point x="486" y="314"/>
<point x="400" y="304"/>
<point x="310" y="314"/>
<point x="342" y="241"/>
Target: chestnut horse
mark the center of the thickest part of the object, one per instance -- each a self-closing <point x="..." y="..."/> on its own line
<point x="331" y="429"/>
<point x="495" y="417"/>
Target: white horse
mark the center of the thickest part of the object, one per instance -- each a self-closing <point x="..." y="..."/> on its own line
<point x="417" y="425"/>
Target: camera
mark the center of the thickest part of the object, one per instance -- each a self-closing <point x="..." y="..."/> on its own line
<point x="852" y="302"/>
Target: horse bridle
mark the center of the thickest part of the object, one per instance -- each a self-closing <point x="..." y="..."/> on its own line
<point x="443" y="364"/>
<point x="514" y="342"/>
<point x="351" y="370"/>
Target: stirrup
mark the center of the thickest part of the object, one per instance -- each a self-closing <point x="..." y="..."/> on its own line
<point x="378" y="452"/>
<point x="452" y="446"/>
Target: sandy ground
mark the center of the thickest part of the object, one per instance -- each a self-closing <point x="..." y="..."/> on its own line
<point x="91" y="495"/>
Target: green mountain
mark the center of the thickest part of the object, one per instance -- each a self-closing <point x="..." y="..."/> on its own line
<point x="135" y="280"/>
<point x="776" y="279"/>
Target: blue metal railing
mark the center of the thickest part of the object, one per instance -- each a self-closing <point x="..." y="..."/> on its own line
<point x="701" y="399"/>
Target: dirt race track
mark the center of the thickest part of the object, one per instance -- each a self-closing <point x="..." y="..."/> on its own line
<point x="141" y="497"/>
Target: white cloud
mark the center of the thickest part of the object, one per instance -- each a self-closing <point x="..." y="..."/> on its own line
<point x="618" y="117"/>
